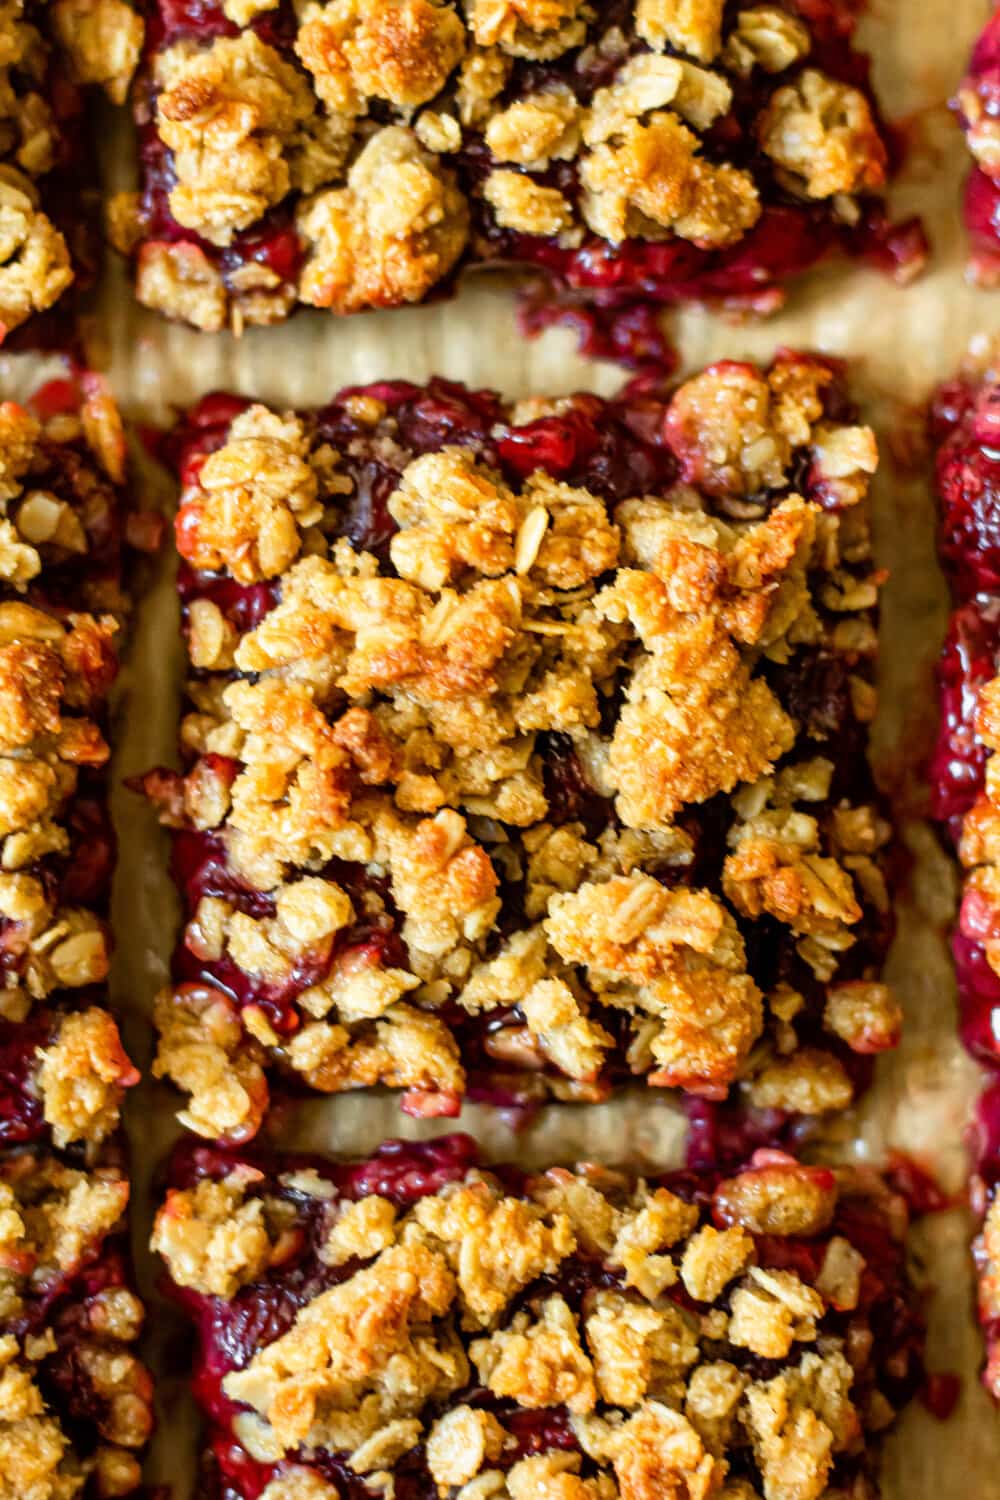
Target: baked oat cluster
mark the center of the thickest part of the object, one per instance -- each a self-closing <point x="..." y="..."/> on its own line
<point x="525" y="749"/>
<point x="421" y="1326"/>
<point x="75" y="1402"/>
<point x="976" y="104"/>
<point x="61" y="474"/>
<point x="964" y="770"/>
<point x="354" y="153"/>
<point x="48" y="52"/>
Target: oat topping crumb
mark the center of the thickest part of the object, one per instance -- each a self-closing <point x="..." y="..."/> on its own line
<point x="387" y="237"/>
<point x="82" y="1077"/>
<point x="214" y="1237"/>
<point x="103" y="39"/>
<point x="821" y="135"/>
<point x="360" y="1344"/>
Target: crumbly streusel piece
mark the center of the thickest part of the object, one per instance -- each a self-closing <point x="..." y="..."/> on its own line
<point x="515" y="1341"/>
<point x="359" y="156"/>
<point x="505" y="768"/>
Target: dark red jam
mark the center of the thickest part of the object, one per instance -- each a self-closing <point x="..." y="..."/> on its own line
<point x="978" y="101"/>
<point x="965" y="425"/>
<point x="229" y="1333"/>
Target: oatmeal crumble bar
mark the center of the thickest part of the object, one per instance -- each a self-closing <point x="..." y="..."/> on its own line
<point x="964" y="786"/>
<point x="524" y="750"/>
<point x="348" y="154"/>
<point x="976" y="104"/>
<point x="75" y="1402"/>
<point x="49" y="51"/>
<point x="62" y="517"/>
<point x="423" y="1322"/>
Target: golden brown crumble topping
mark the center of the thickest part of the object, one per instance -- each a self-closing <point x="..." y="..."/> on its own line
<point x="37" y="1458"/>
<point x="103" y="39"/>
<point x="205" y="1051"/>
<point x="259" y="490"/>
<point x="181" y="281"/>
<point x="53" y="673"/>
<point x="52" y="1219"/>
<point x="693" y="26"/>
<point x="497" y="1245"/>
<point x="401" y="51"/>
<point x="538" y="1363"/>
<point x="535" y="29"/>
<point x="39" y="528"/>
<point x="527" y="206"/>
<point x="821" y="135"/>
<point x="35" y="266"/>
<point x="358" y="1353"/>
<point x="765" y="36"/>
<point x="215" y="1237"/>
<point x="386" y="238"/>
<point x="82" y="1077"/>
<point x="648" y="178"/>
<point x="657" y="1394"/>
<point x="461" y="1443"/>
<point x="74" y="1401"/>
<point x="226" y="113"/>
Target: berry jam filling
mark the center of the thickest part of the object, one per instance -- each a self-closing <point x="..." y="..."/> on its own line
<point x="600" y="286"/>
<point x="969" y="660"/>
<point x="977" y="104"/>
<point x="880" y="1317"/>
<point x="965" y="426"/>
<point x="21" y="1110"/>
<point x="614" y="450"/>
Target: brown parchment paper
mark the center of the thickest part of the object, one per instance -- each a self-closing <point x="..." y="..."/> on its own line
<point x="900" y="342"/>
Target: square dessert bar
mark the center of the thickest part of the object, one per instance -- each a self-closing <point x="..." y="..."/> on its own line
<point x="75" y="1402"/>
<point x="525" y="749"/>
<point x="359" y="153"/>
<point x="47" y="184"/>
<point x="964" y="783"/>
<point x="978" y="106"/>
<point x="63" y="499"/>
<point x="424" y="1326"/>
